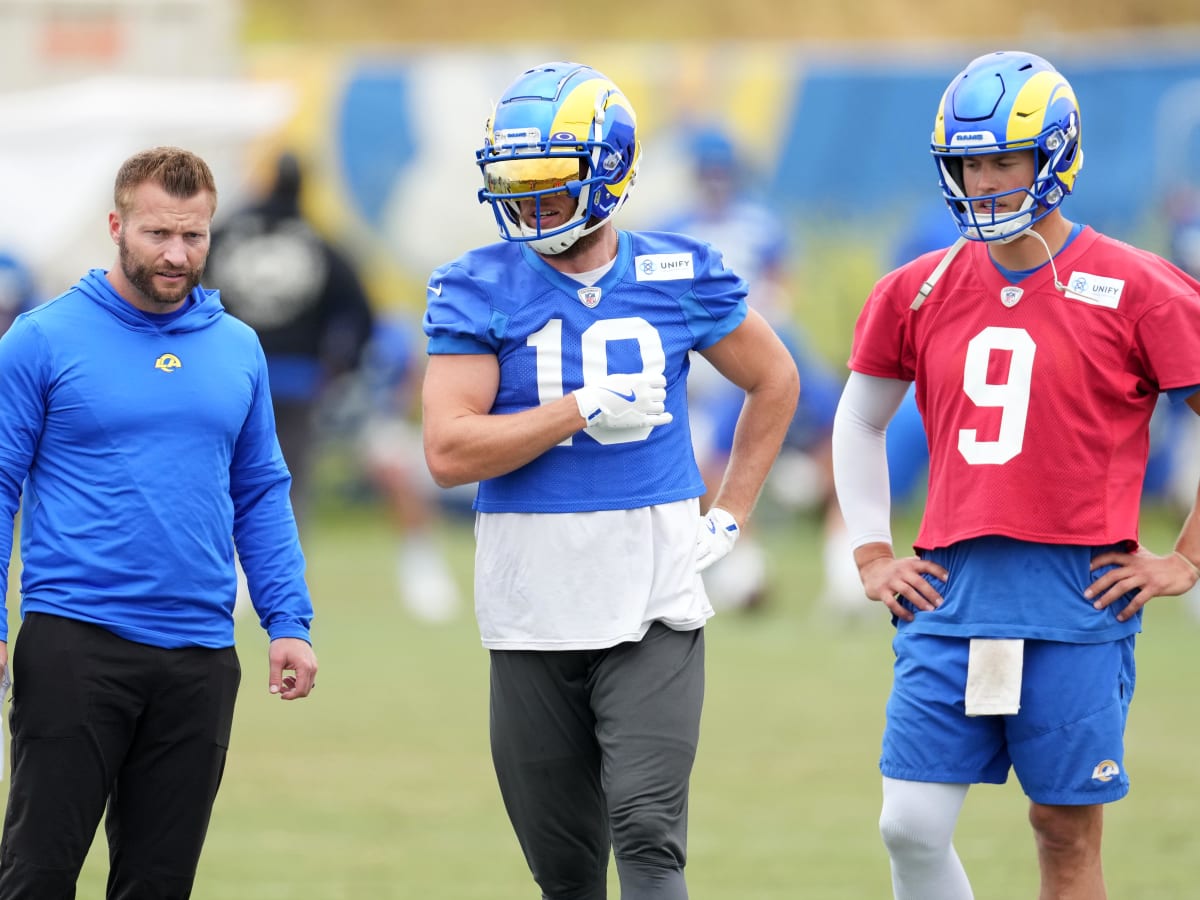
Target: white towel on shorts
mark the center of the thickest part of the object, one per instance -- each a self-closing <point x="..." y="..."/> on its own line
<point x="994" y="676"/>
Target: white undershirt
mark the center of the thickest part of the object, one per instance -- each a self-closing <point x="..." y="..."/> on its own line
<point x="589" y="278"/>
<point x="590" y="580"/>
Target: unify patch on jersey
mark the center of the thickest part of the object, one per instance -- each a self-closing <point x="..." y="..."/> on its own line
<point x="1095" y="289"/>
<point x="663" y="266"/>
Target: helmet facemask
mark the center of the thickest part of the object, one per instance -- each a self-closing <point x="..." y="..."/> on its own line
<point x="1042" y="196"/>
<point x="511" y="180"/>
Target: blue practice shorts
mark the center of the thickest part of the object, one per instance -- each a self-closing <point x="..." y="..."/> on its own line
<point x="1066" y="745"/>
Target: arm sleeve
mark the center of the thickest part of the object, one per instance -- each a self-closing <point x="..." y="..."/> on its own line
<point x="860" y="469"/>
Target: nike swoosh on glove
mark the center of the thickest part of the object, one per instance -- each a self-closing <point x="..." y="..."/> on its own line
<point x="716" y="536"/>
<point x="624" y="400"/>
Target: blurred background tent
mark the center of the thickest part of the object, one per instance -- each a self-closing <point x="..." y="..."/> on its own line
<point x="84" y="84"/>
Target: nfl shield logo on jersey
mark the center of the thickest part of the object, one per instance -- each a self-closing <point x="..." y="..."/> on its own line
<point x="589" y="296"/>
<point x="1010" y="295"/>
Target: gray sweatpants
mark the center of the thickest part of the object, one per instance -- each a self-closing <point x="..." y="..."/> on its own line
<point x="593" y="749"/>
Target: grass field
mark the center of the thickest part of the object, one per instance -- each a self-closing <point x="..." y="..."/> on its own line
<point x="380" y="786"/>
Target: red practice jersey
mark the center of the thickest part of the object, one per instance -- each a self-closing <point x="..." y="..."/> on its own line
<point x="1036" y="402"/>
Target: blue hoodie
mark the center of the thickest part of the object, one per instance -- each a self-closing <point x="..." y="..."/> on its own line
<point x="146" y="446"/>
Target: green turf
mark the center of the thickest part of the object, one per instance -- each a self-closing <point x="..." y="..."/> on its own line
<point x="380" y="786"/>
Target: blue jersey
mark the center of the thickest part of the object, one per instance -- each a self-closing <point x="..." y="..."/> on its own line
<point x="665" y="295"/>
<point x="145" y="445"/>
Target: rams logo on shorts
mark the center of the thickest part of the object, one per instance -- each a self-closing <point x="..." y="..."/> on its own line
<point x="1106" y="771"/>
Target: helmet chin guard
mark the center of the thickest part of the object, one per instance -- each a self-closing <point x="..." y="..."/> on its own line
<point x="560" y="129"/>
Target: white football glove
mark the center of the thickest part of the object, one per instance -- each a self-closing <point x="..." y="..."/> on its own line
<point x="717" y="533"/>
<point x="633" y="400"/>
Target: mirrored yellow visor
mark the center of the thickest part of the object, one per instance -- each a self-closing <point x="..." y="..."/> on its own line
<point x="527" y="176"/>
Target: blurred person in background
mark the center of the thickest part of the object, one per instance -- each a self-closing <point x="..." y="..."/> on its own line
<point x="303" y="297"/>
<point x="1038" y="348"/>
<point x="394" y="462"/>
<point x="136" y="428"/>
<point x="557" y="379"/>
<point x="18" y="289"/>
<point x="754" y="242"/>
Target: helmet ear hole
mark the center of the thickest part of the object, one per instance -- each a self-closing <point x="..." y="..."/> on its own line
<point x="1068" y="159"/>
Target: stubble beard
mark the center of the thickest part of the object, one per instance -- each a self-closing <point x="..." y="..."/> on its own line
<point x="141" y="276"/>
<point x="582" y="245"/>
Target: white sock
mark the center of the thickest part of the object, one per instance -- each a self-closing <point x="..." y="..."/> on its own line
<point x="739" y="578"/>
<point x="427" y="585"/>
<point x="843" y="590"/>
<point x="917" y="826"/>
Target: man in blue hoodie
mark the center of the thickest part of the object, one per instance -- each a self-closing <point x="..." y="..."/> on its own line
<point x="137" y="424"/>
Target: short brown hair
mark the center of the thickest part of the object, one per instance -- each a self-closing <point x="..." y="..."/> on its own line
<point x="179" y="172"/>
